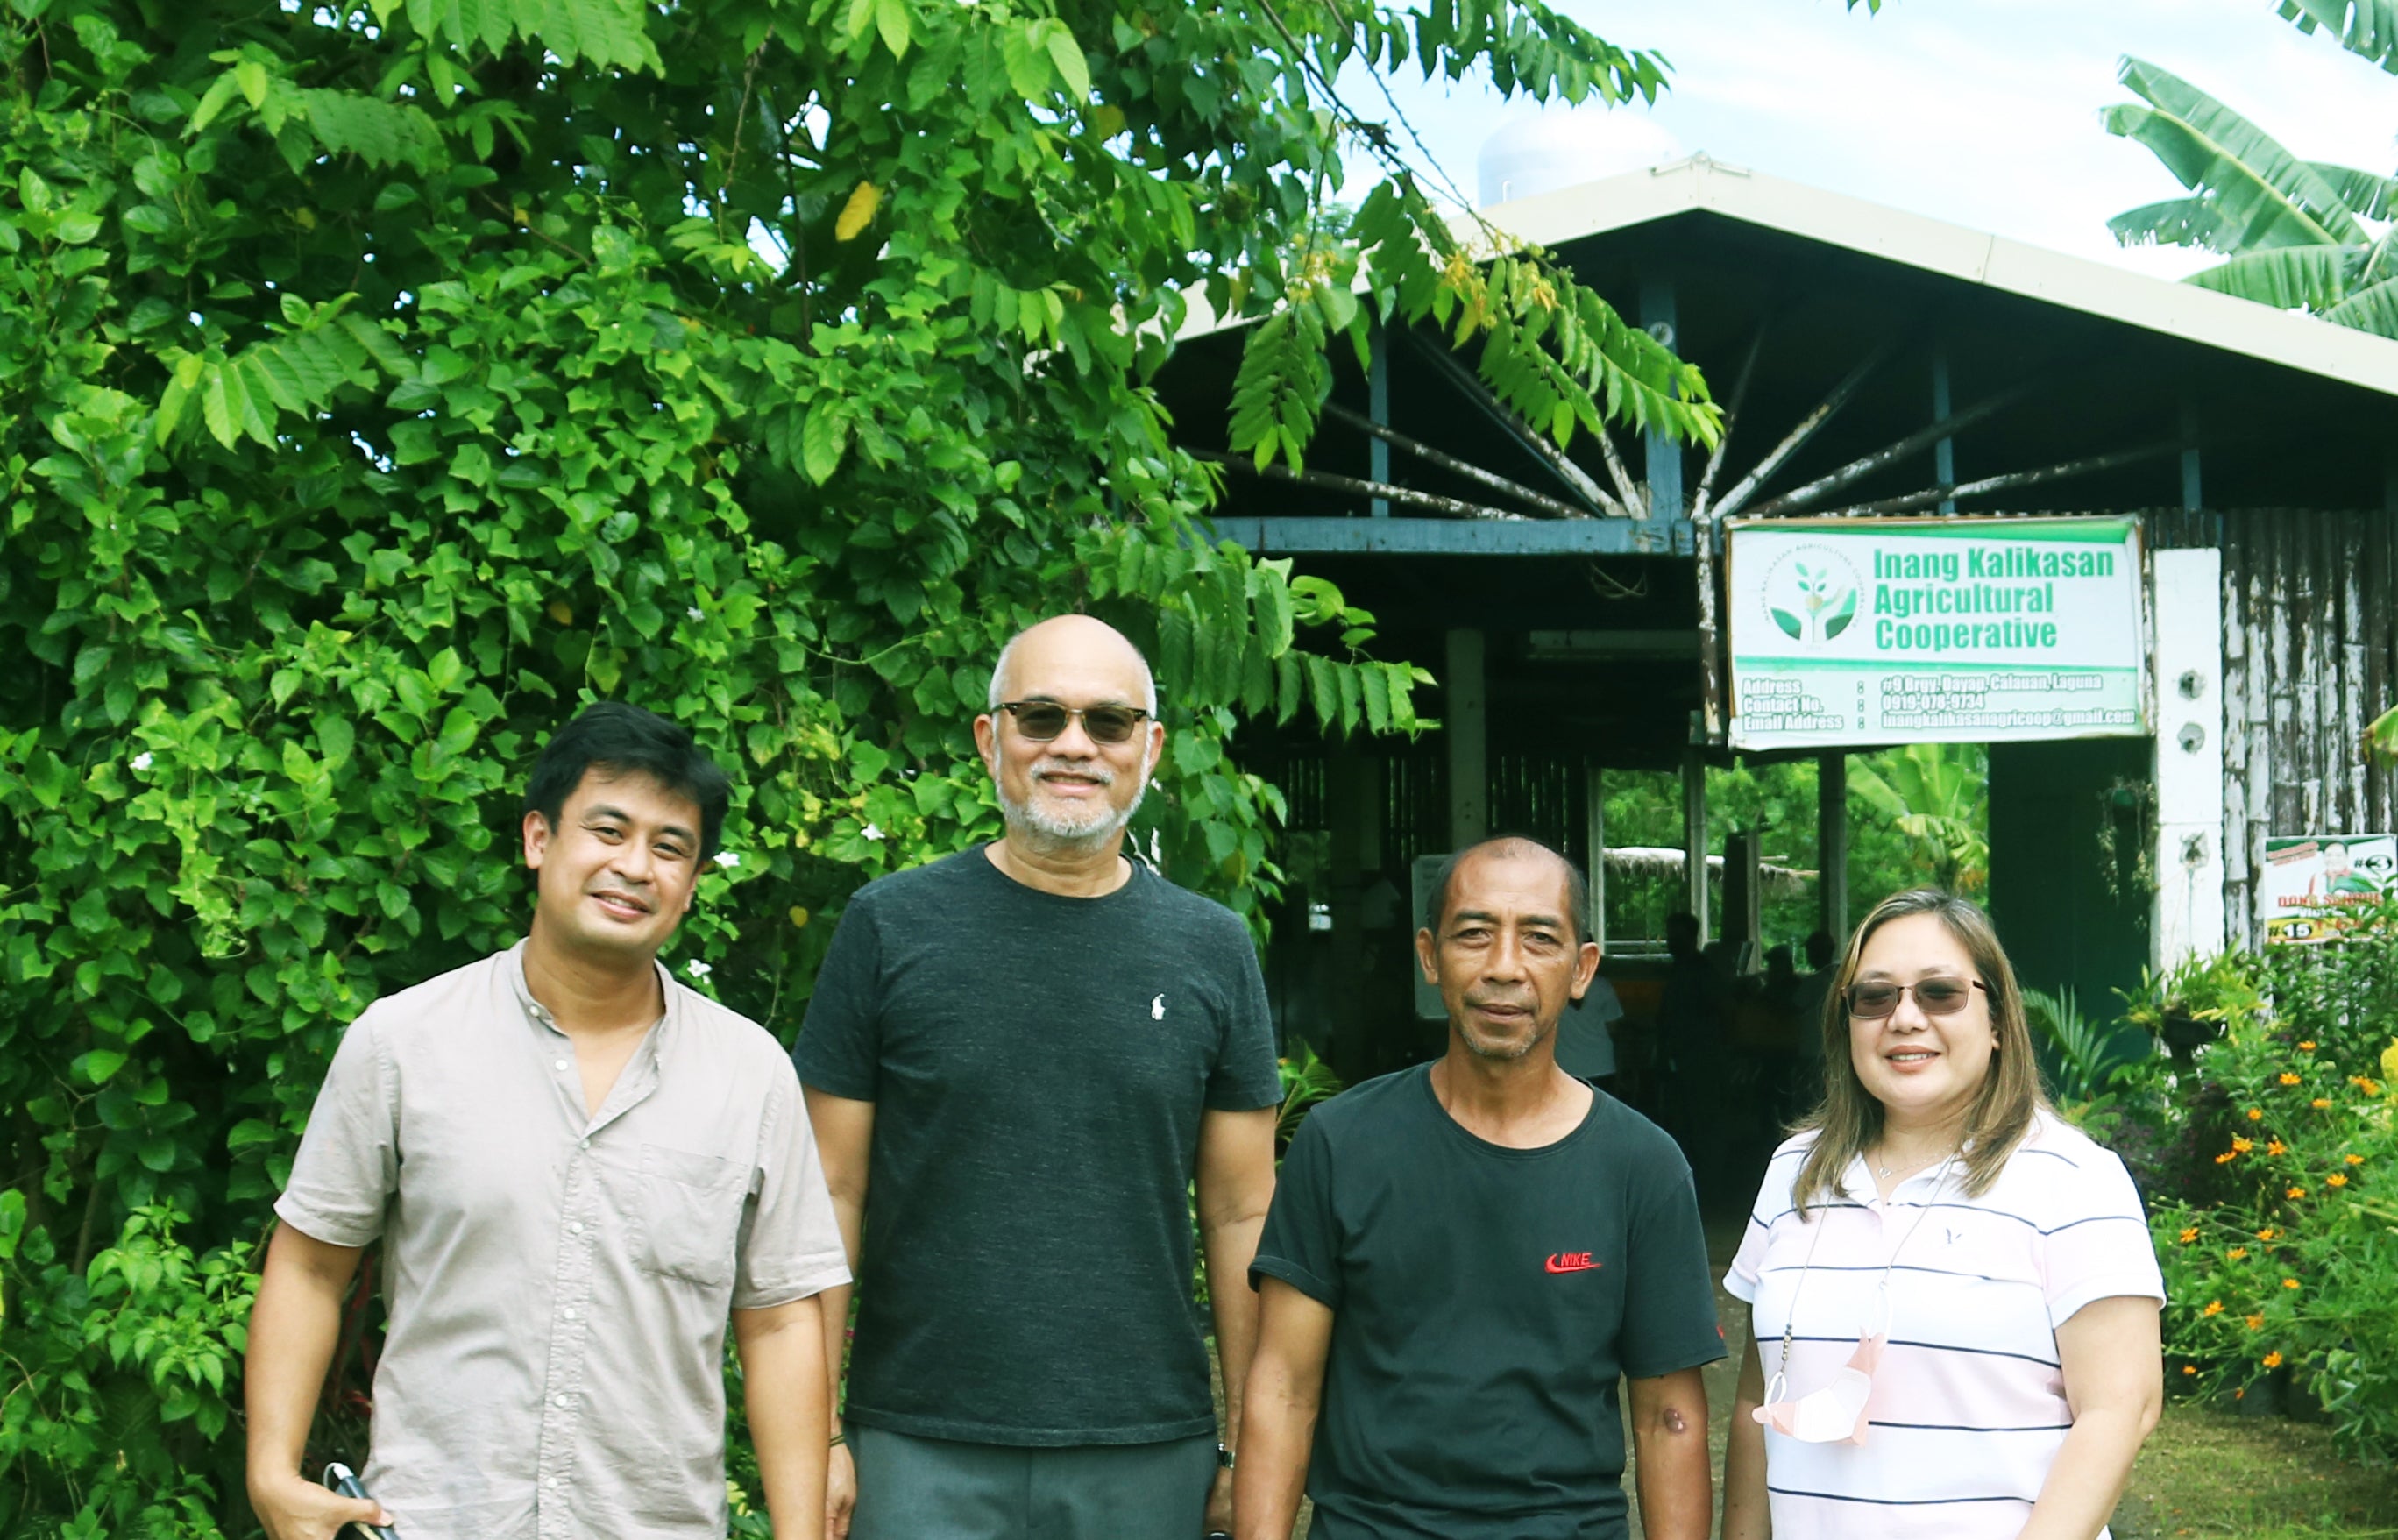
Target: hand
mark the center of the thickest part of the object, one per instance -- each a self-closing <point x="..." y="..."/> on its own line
<point x="293" y="1508"/>
<point x="841" y="1493"/>
<point x="1220" y="1503"/>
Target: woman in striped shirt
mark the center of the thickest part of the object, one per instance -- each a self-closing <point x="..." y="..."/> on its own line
<point x="1953" y="1327"/>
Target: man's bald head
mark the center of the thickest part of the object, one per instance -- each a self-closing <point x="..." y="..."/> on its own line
<point x="1077" y="641"/>
<point x="1511" y="847"/>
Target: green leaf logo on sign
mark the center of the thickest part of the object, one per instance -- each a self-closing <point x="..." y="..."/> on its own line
<point x="1811" y="594"/>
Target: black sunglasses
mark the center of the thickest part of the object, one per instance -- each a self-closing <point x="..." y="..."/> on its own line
<point x="1043" y="720"/>
<point x="1871" y="1002"/>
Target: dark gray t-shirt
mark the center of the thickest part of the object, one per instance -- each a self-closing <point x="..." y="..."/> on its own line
<point x="1039" y="1066"/>
<point x="1485" y="1300"/>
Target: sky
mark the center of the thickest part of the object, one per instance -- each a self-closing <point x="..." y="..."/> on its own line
<point x="1984" y="113"/>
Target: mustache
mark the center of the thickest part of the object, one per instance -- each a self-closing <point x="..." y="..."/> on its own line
<point x="1090" y="770"/>
<point x="1506" y="1002"/>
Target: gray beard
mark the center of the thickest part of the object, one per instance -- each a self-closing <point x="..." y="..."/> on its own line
<point x="1053" y="835"/>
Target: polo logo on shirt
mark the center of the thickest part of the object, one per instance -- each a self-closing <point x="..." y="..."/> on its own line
<point x="1157" y="1009"/>
<point x="1571" y="1262"/>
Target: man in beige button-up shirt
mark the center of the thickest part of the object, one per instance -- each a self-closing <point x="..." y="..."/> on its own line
<point x="577" y="1168"/>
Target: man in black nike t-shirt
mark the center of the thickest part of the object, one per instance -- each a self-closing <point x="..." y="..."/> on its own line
<point x="1462" y="1257"/>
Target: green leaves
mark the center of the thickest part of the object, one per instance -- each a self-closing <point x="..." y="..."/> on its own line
<point x="1281" y="386"/>
<point x="2295" y="230"/>
<point x="2367" y="28"/>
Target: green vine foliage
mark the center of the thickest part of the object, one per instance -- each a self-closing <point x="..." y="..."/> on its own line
<point x="379" y="381"/>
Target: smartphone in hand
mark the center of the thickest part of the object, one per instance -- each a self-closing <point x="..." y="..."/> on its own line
<point x="341" y="1479"/>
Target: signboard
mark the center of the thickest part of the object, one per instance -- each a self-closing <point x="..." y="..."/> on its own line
<point x="1912" y="631"/>
<point x="2307" y="880"/>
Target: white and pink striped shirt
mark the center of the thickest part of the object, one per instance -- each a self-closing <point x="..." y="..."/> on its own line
<point x="1968" y="1408"/>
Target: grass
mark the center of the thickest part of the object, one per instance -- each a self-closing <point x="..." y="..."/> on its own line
<point x="2206" y="1472"/>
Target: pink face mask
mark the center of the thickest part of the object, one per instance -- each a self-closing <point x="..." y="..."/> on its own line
<point x="1835" y="1414"/>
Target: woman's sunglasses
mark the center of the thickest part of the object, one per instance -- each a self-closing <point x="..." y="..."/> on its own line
<point x="1043" y="720"/>
<point x="1871" y="1002"/>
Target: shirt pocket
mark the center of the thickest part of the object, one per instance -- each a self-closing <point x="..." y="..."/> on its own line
<point x="690" y="1214"/>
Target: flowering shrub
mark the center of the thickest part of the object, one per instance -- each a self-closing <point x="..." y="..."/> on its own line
<point x="2283" y="1253"/>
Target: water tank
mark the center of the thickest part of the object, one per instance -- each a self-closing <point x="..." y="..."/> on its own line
<point x="1562" y="147"/>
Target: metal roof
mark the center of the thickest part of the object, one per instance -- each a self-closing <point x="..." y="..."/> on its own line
<point x="1700" y="185"/>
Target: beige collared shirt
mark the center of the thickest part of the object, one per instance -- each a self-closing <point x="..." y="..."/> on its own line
<point x="558" y="1283"/>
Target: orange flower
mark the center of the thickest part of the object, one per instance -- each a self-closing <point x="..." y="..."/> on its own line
<point x="2188" y="1235"/>
<point x="2256" y="1115"/>
<point x="2289" y="1283"/>
<point x="2237" y="1253"/>
<point x="2319" y="1103"/>
<point x="2273" y="1359"/>
<point x="2354" y="1159"/>
<point x="2295" y="1192"/>
<point x="2268" y="1233"/>
<point x="2190" y="1368"/>
<point x="2288" y="1079"/>
<point x="2337" y="1179"/>
<point x="2306" y="1048"/>
<point x="2226" y="1156"/>
<point x="2256" y="1323"/>
<point x="2214" y="1307"/>
<point x="2277" y="1147"/>
<point x="2243" y="1146"/>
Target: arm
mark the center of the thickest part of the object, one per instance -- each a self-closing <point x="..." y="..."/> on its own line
<point x="2114" y="1381"/>
<point x="293" y="1329"/>
<point x="1747" y="1516"/>
<point x="844" y="1132"/>
<point x="1669" y="1433"/>
<point x="1284" y="1392"/>
<point x="782" y="1387"/>
<point x="1236" y="1179"/>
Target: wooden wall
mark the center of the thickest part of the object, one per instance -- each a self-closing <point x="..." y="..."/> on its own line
<point x="2309" y="657"/>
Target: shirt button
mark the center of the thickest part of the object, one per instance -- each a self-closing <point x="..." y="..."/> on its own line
<point x="584" y="1144"/>
<point x="575" y="1227"/>
<point x="562" y="1066"/>
<point x="555" y="1483"/>
<point x="563" y="1400"/>
<point x="568" y="1312"/>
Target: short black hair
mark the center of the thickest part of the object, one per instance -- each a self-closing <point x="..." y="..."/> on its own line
<point x="1577" y="888"/>
<point x="623" y="740"/>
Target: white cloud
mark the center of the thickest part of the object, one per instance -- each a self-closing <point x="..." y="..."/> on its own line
<point x="1985" y="114"/>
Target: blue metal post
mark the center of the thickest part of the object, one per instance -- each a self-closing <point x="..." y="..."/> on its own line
<point x="1664" y="469"/>
<point x="1378" y="407"/>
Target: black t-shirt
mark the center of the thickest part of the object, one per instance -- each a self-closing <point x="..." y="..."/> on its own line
<point x="1485" y="1299"/>
<point x="1039" y="1066"/>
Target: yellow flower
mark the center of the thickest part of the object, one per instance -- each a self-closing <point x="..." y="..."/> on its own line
<point x="2256" y="1115"/>
<point x="2289" y="1283"/>
<point x="2214" y="1307"/>
<point x="2190" y="1368"/>
<point x="2273" y="1359"/>
<point x="2354" y="1159"/>
<point x="2188" y="1235"/>
<point x="2295" y="1192"/>
<point x="2307" y="1047"/>
<point x="2237" y="1253"/>
<point x="2319" y="1103"/>
<point x="2277" y="1147"/>
<point x="2337" y="1179"/>
<point x="2225" y="1157"/>
<point x="2243" y="1146"/>
<point x="2256" y="1323"/>
<point x="2266" y="1234"/>
<point x="2288" y="1079"/>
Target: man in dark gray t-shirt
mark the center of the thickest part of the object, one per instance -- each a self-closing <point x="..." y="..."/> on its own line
<point x="1020" y="1060"/>
<point x="1464" y="1257"/>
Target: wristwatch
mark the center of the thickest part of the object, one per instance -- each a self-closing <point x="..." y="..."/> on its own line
<point x="1223" y="1457"/>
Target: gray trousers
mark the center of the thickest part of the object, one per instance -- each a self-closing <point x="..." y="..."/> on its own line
<point x="932" y="1488"/>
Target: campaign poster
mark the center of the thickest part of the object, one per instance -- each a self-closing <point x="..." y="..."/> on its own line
<point x="2311" y="883"/>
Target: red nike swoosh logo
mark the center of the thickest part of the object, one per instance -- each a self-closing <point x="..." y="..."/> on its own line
<point x="1571" y="1262"/>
